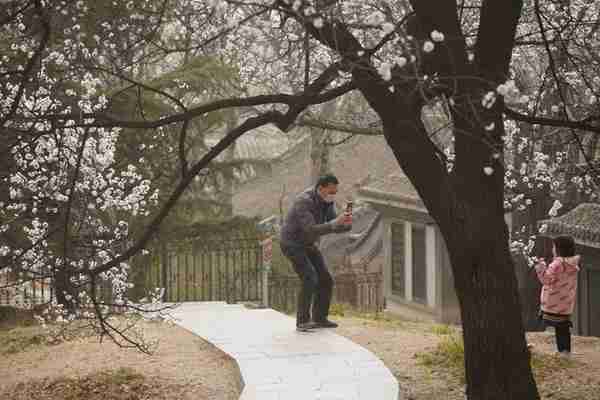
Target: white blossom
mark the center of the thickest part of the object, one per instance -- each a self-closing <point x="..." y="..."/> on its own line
<point x="401" y="61"/>
<point x="428" y="46"/>
<point x="489" y="99"/>
<point x="388" y="28"/>
<point x="555" y="207"/>
<point x="385" y="70"/>
<point x="437" y="36"/>
<point x="376" y="18"/>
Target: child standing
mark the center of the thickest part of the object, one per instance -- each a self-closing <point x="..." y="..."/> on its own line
<point x="559" y="280"/>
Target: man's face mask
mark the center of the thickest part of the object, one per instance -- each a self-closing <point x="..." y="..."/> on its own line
<point x="328" y="193"/>
<point x="329" y="198"/>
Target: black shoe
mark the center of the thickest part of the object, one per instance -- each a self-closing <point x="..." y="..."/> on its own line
<point x="306" y="327"/>
<point x="326" y="324"/>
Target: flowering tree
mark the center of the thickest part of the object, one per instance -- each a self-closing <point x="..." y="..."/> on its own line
<point x="60" y="126"/>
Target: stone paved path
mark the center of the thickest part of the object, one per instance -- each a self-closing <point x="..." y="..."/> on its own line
<point x="278" y="363"/>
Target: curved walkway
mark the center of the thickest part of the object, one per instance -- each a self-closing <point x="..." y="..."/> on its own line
<point x="278" y="363"/>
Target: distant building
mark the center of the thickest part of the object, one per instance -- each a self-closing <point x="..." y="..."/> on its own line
<point x="417" y="279"/>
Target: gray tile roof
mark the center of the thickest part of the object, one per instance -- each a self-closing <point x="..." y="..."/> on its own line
<point x="583" y="223"/>
<point x="395" y="185"/>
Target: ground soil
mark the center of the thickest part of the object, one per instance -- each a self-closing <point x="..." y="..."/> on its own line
<point x="183" y="366"/>
<point x="399" y="343"/>
<point x="186" y="367"/>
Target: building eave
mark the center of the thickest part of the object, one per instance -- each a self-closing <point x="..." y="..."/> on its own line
<point x="376" y="196"/>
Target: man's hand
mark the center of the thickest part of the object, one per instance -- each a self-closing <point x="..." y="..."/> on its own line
<point x="344" y="219"/>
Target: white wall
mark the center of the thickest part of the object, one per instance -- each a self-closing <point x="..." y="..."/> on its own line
<point x="430" y="259"/>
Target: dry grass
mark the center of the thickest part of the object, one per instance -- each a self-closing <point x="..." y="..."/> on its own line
<point x="118" y="384"/>
<point x="182" y="367"/>
<point x="427" y="359"/>
<point x="449" y="357"/>
<point x="20" y="339"/>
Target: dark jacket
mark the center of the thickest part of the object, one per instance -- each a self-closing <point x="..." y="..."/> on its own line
<point x="309" y="218"/>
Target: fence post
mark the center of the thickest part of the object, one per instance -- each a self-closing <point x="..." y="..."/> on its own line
<point x="164" y="276"/>
<point x="267" y="257"/>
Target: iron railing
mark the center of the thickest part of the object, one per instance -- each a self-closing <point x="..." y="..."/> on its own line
<point x="362" y="291"/>
<point x="30" y="292"/>
<point x="203" y="271"/>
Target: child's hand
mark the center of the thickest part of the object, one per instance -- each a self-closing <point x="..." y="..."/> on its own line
<point x="540" y="265"/>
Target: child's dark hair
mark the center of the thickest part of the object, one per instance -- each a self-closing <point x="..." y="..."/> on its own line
<point x="326" y="180"/>
<point x="565" y="246"/>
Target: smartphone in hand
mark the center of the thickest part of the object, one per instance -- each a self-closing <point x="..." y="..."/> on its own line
<point x="349" y="206"/>
<point x="348" y="213"/>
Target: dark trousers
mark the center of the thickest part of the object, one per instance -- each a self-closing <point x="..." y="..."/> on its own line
<point x="562" y="330"/>
<point x="317" y="283"/>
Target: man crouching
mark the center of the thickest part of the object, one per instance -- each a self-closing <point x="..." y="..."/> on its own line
<point x="312" y="215"/>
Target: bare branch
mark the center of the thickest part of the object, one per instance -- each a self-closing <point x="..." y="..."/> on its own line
<point x="583" y="125"/>
<point x="336" y="126"/>
<point x="135" y="83"/>
<point x="104" y="120"/>
<point x="182" y="157"/>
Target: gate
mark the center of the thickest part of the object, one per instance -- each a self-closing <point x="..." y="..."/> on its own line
<point x="204" y="270"/>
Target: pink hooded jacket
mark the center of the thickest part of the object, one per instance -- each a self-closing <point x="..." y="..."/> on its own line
<point x="560" y="284"/>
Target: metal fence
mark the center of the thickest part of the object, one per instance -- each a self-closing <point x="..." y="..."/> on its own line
<point x="225" y="270"/>
<point x="32" y="291"/>
<point x="362" y="291"/>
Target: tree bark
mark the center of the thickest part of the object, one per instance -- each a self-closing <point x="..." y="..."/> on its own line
<point x="319" y="155"/>
<point x="496" y="356"/>
<point x="320" y="152"/>
<point x="468" y="208"/>
<point x="468" y="203"/>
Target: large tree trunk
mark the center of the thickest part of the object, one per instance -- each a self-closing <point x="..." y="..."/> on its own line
<point x="497" y="362"/>
<point x="468" y="203"/>
<point x="468" y="206"/>
<point x="496" y="357"/>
